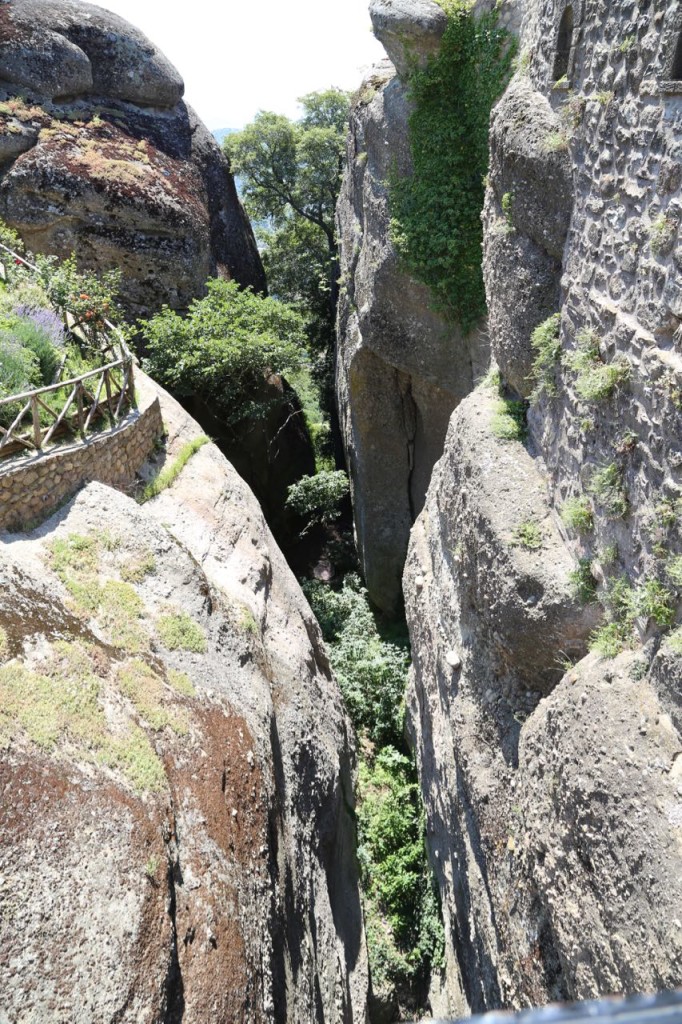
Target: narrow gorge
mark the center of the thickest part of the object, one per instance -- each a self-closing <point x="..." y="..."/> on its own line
<point x="438" y="771"/>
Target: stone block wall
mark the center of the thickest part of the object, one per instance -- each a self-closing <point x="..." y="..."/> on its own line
<point x="32" y="488"/>
<point x="618" y="125"/>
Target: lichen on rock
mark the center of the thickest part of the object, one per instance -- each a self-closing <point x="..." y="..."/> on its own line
<point x="101" y="155"/>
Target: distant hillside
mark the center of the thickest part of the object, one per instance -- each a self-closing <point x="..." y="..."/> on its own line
<point x="220" y="134"/>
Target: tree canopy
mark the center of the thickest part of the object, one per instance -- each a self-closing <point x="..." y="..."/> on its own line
<point x="293" y="169"/>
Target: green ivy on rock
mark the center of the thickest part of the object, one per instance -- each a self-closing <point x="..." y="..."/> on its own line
<point x="436" y="212"/>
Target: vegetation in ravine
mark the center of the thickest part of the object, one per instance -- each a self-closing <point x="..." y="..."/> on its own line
<point x="436" y="212"/>
<point x="224" y="348"/>
<point x="290" y="175"/>
<point x="402" y="915"/>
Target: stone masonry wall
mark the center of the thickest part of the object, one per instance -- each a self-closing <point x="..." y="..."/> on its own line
<point x="36" y="486"/>
<point x="622" y="119"/>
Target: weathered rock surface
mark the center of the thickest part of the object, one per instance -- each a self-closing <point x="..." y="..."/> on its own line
<point x="401" y="369"/>
<point x="535" y="184"/>
<point x="101" y="155"/>
<point x="409" y="30"/>
<point x="177" y="834"/>
<point x="553" y="804"/>
<point x="552" y="789"/>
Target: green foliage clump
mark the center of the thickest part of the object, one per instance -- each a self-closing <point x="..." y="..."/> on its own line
<point x="169" y="474"/>
<point x="436" y="212"/>
<point x="528" y="535"/>
<point x="651" y="600"/>
<point x="4" y="644"/>
<point x="371" y="671"/>
<point x="577" y="514"/>
<point x="318" y="498"/>
<point x="181" y="682"/>
<point x="61" y="704"/>
<point x="675" y="641"/>
<point x="509" y="420"/>
<point x="606" y="485"/>
<point x="19" y="371"/>
<point x="179" y="632"/>
<point x="674" y="570"/>
<point x="546" y="347"/>
<point x="224" y="349"/>
<point x="617" y="633"/>
<point x="583" y="582"/>
<point x="89" y="297"/>
<point x="655" y="601"/>
<point x="146" y="691"/>
<point x="136" y="570"/>
<point x="595" y="380"/>
<point x="404" y="932"/>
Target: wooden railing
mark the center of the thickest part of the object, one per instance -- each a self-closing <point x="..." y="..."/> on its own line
<point x="109" y="389"/>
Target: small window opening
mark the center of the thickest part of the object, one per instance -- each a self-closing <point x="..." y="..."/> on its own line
<point x="563" y="46"/>
<point x="677" y="63"/>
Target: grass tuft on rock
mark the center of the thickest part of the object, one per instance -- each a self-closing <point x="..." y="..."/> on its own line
<point x="169" y="474"/>
<point x="179" y="632"/>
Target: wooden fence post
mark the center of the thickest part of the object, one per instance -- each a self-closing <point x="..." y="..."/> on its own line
<point x="35" y="414"/>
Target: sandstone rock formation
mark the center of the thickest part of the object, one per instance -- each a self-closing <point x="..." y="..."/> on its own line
<point x="551" y="776"/>
<point x="175" y="768"/>
<point x="101" y="155"/>
<point x="401" y="368"/>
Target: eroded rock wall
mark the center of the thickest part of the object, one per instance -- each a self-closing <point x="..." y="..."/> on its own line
<point x="175" y="767"/>
<point x="100" y="154"/>
<point x="551" y="775"/>
<point x="401" y="368"/>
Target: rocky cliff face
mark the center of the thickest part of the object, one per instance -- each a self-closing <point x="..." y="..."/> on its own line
<point x="175" y="768"/>
<point x="551" y="775"/>
<point x="99" y="154"/>
<point x="401" y="367"/>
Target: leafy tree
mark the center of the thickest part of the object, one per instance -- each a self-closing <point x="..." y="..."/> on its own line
<point x="224" y="348"/>
<point x="291" y="175"/>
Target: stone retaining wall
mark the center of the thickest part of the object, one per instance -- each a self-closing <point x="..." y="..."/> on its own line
<point x="32" y="488"/>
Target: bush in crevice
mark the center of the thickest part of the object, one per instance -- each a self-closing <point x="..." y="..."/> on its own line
<point x="402" y="914"/>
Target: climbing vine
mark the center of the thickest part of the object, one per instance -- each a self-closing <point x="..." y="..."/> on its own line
<point x="436" y="212"/>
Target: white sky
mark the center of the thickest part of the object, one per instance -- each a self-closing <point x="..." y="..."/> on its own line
<point x="241" y="56"/>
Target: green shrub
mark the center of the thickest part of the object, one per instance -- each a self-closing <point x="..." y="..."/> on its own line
<point x="606" y="485"/>
<point x="91" y="298"/>
<point x="19" y="371"/>
<point x="179" y="632"/>
<point x="595" y="380"/>
<point x="528" y="535"/>
<point x="404" y="930"/>
<point x="169" y="474"/>
<point x="318" y="498"/>
<point x="611" y="639"/>
<point x="436" y="212"/>
<point x="224" y="349"/>
<point x="546" y="346"/>
<point x="674" y="570"/>
<point x="583" y="582"/>
<point x="371" y="671"/>
<point x="655" y="601"/>
<point x="577" y="514"/>
<point x="509" y="420"/>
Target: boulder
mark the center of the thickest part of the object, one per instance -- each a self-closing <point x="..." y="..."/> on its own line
<point x="176" y="767"/>
<point x="409" y="30"/>
<point x="104" y="158"/>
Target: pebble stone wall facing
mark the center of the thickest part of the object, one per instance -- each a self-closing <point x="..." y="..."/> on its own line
<point x="32" y="488"/>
